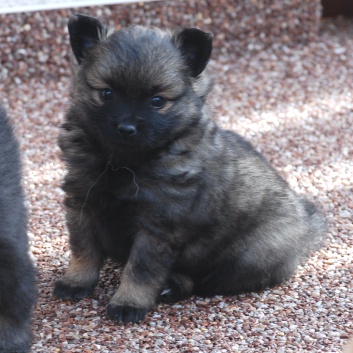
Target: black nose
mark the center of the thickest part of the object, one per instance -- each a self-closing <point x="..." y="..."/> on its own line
<point x="127" y="130"/>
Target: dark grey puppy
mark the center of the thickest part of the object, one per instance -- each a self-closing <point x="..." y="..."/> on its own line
<point x="17" y="283"/>
<point x="154" y="183"/>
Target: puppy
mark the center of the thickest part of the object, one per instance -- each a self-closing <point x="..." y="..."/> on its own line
<point x="154" y="183"/>
<point x="17" y="282"/>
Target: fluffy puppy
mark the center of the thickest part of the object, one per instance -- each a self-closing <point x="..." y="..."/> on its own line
<point x="156" y="184"/>
<point x="17" y="282"/>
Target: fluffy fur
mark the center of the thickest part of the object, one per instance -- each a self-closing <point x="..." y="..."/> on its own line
<point x="156" y="184"/>
<point x="17" y="287"/>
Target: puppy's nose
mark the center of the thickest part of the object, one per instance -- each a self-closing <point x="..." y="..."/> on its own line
<point x="127" y="130"/>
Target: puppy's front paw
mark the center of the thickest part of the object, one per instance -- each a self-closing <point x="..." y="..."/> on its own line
<point x="65" y="290"/>
<point x="125" y="313"/>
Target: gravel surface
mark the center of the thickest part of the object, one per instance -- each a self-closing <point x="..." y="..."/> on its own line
<point x="288" y="90"/>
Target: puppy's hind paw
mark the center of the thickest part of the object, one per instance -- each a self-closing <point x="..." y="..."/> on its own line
<point x="125" y="313"/>
<point x="64" y="290"/>
<point x="178" y="287"/>
<point x="168" y="296"/>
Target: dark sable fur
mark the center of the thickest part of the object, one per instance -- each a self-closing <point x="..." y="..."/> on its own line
<point x="17" y="288"/>
<point x="181" y="203"/>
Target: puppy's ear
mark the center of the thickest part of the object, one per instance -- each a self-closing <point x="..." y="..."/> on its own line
<point x="85" y="32"/>
<point x="196" y="48"/>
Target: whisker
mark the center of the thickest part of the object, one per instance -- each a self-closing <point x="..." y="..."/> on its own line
<point x="133" y="174"/>
<point x="91" y="187"/>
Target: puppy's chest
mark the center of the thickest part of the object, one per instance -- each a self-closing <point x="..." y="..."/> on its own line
<point x="122" y="183"/>
<point x="157" y="186"/>
<point x="133" y="197"/>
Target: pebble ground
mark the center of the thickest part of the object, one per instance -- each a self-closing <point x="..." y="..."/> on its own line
<point x="289" y="90"/>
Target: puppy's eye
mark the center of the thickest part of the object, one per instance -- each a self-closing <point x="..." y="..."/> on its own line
<point x="157" y="101"/>
<point x="106" y="94"/>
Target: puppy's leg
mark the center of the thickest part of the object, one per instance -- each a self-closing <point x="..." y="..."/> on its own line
<point x="85" y="263"/>
<point x="81" y="276"/>
<point x="17" y="298"/>
<point x="142" y="279"/>
<point x="14" y="336"/>
<point x="264" y="264"/>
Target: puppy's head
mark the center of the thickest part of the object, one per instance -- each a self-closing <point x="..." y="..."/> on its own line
<point x="137" y="88"/>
